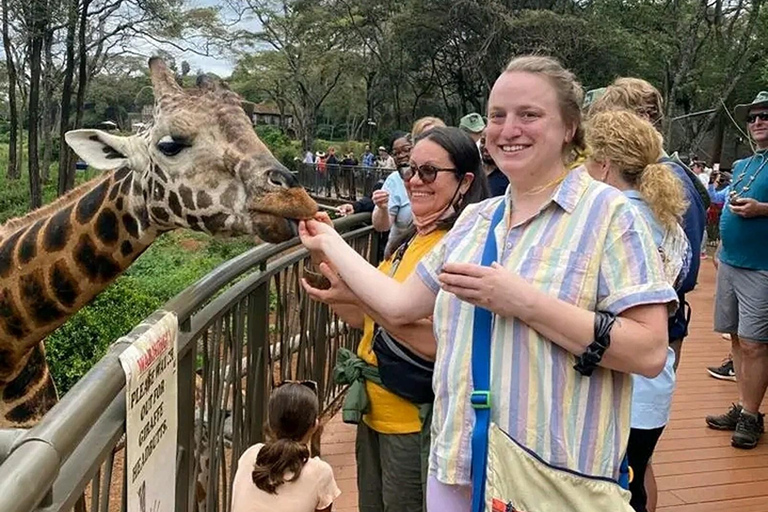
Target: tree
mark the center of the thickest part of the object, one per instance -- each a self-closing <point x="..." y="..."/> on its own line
<point x="66" y="159"/>
<point x="13" y="172"/>
<point x="307" y="56"/>
<point x="37" y="22"/>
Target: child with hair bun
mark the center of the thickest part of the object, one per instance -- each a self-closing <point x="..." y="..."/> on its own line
<point x="280" y="474"/>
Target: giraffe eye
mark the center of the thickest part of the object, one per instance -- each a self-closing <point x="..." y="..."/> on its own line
<point x="170" y="146"/>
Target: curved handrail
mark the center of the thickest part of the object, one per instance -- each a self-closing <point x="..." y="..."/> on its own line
<point x="194" y="296"/>
<point x="33" y="465"/>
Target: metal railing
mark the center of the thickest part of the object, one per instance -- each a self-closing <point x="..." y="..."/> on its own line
<point x="343" y="182"/>
<point x="244" y="327"/>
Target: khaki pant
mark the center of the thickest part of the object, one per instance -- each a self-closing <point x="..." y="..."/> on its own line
<point x="391" y="470"/>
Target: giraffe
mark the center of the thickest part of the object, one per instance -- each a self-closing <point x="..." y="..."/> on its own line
<point x="199" y="166"/>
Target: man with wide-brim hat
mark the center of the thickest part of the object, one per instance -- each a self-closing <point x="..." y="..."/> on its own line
<point x="741" y="299"/>
<point x="742" y="111"/>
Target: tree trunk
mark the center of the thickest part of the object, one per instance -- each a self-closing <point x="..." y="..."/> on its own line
<point x="65" y="154"/>
<point x="82" y="83"/>
<point x="48" y="109"/>
<point x="37" y="27"/>
<point x="308" y="127"/>
<point x="14" y="171"/>
<point x="717" y="142"/>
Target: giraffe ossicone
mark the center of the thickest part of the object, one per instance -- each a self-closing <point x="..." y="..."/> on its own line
<point x="200" y="165"/>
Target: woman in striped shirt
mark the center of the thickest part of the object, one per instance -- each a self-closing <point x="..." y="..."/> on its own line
<point x="570" y="249"/>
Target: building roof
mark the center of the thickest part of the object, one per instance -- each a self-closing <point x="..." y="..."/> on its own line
<point x="265" y="108"/>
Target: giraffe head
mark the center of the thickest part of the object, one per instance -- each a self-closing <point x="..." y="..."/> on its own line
<point x="201" y="165"/>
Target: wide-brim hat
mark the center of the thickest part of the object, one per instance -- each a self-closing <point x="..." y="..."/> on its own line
<point x="472" y="123"/>
<point x="741" y="111"/>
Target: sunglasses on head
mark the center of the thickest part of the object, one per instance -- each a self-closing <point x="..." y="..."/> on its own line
<point x="763" y="116"/>
<point x="427" y="173"/>
<point x="312" y="385"/>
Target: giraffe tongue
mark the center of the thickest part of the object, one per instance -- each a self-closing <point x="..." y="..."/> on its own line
<point x="294" y="225"/>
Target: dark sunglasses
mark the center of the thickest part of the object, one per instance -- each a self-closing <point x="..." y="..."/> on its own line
<point x="427" y="173"/>
<point x="751" y="118"/>
<point x="312" y="385"/>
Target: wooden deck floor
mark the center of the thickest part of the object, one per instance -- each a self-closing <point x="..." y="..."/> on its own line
<point x="696" y="468"/>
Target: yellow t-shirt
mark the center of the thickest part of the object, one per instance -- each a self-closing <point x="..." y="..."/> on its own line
<point x="389" y="413"/>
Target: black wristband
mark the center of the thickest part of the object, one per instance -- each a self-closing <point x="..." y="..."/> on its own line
<point x="586" y="362"/>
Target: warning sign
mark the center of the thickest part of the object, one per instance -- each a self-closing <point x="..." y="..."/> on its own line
<point x="151" y="417"/>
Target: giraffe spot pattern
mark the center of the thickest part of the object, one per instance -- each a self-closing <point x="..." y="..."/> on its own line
<point x="187" y="197"/>
<point x="143" y="218"/>
<point x="64" y="284"/>
<point x="107" y="227"/>
<point x="40" y="307"/>
<point x="126" y="248"/>
<point x="204" y="199"/>
<point x="229" y="196"/>
<point x="131" y="226"/>
<point x="173" y="202"/>
<point x="91" y="202"/>
<point x="6" y="365"/>
<point x="138" y="191"/>
<point x="160" y="214"/>
<point x="158" y="191"/>
<point x="97" y="267"/>
<point x="160" y="174"/>
<point x="36" y="405"/>
<point x="114" y="191"/>
<point x="126" y="186"/>
<point x="57" y="231"/>
<point x="192" y="222"/>
<point x="214" y="223"/>
<point x="10" y="316"/>
<point x="32" y="373"/>
<point x="28" y="247"/>
<point x="121" y="173"/>
<point x="119" y="204"/>
<point x="6" y="253"/>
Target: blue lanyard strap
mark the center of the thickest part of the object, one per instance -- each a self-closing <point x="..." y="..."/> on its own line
<point x="481" y="375"/>
<point x="481" y="380"/>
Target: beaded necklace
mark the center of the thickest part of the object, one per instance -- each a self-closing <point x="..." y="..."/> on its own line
<point x="733" y="194"/>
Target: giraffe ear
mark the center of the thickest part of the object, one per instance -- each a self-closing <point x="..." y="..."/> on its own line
<point x="99" y="149"/>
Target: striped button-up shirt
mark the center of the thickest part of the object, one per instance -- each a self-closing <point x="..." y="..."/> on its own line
<point x="587" y="246"/>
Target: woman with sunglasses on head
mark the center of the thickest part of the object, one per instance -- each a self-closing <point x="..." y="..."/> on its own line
<point x="442" y="178"/>
<point x="540" y="319"/>
<point x="280" y="474"/>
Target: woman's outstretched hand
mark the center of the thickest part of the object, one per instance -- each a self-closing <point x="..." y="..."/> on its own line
<point x="494" y="288"/>
<point x="314" y="233"/>
<point x="338" y="293"/>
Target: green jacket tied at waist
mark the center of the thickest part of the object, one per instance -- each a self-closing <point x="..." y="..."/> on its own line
<point x="352" y="371"/>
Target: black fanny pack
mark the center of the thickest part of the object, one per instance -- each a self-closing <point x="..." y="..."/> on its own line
<point x="402" y="371"/>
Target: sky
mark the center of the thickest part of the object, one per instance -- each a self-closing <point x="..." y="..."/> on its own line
<point x="220" y="65"/>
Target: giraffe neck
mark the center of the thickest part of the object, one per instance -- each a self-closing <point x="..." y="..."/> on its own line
<point x="51" y="265"/>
